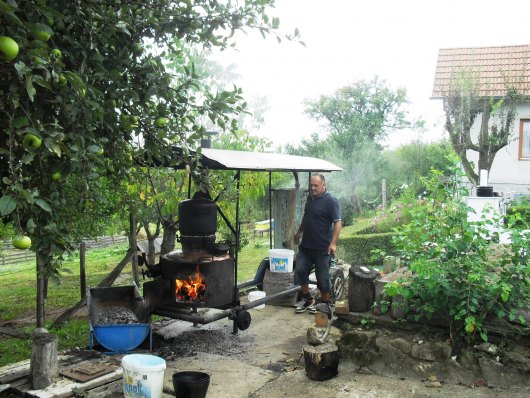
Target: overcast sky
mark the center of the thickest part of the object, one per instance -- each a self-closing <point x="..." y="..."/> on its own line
<point x="349" y="40"/>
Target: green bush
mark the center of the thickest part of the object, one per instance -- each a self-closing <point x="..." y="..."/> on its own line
<point x="357" y="248"/>
<point x="459" y="273"/>
<point x="520" y="215"/>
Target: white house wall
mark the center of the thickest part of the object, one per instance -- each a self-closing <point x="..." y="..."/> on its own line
<point x="508" y="174"/>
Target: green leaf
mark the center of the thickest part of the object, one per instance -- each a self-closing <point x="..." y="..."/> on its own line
<point x="30" y="89"/>
<point x="11" y="15"/>
<point x="123" y="26"/>
<point x="21" y="121"/>
<point x="55" y="147"/>
<point x="43" y="205"/>
<point x="26" y="195"/>
<point x="27" y="158"/>
<point x="7" y="205"/>
<point x="93" y="148"/>
<point x="30" y="225"/>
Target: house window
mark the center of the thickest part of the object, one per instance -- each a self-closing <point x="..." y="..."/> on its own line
<point x="524" y="140"/>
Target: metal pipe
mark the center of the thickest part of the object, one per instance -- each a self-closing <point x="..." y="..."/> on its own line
<point x="195" y="318"/>
<point x="270" y="210"/>
<point x="236" y="256"/>
<point x="215" y="316"/>
<point x="266" y="299"/>
<point x="251" y="283"/>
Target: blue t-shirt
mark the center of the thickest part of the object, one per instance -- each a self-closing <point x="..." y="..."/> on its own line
<point x="319" y="216"/>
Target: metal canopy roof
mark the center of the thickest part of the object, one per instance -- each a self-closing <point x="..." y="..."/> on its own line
<point x="223" y="159"/>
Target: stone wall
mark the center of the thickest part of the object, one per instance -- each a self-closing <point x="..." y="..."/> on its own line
<point x="429" y="357"/>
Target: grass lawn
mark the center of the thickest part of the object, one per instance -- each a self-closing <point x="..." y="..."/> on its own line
<point x="18" y="294"/>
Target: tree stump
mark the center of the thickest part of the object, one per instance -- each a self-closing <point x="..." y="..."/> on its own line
<point x="276" y="282"/>
<point x="44" y="366"/>
<point x="361" y="289"/>
<point x="399" y="308"/>
<point x="321" y="362"/>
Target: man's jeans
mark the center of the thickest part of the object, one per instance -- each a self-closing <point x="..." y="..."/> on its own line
<point x="306" y="261"/>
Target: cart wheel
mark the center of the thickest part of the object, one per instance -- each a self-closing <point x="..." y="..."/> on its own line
<point x="260" y="273"/>
<point x="337" y="283"/>
<point x="243" y="320"/>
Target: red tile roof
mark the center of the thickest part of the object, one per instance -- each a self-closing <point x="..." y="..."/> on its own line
<point x="492" y="66"/>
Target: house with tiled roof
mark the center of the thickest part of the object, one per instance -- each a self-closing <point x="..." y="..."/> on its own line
<point x="493" y="72"/>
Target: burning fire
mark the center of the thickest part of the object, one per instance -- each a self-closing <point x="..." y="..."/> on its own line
<point x="193" y="289"/>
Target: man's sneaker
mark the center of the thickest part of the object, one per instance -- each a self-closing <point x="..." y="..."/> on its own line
<point x="304" y="304"/>
<point x="324" y="308"/>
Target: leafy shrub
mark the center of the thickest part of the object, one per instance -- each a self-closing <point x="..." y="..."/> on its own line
<point x="519" y="216"/>
<point x="457" y="271"/>
<point x="357" y="248"/>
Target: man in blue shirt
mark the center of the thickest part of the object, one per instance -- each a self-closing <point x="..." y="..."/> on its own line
<point x="317" y="239"/>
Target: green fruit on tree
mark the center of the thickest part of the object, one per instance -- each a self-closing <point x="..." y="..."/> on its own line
<point x="32" y="141"/>
<point x="21" y="242"/>
<point x="56" y="175"/>
<point x="8" y="48"/>
<point x="137" y="48"/>
<point x="99" y="151"/>
<point x="161" y="121"/>
<point x="57" y="53"/>
<point x="134" y="121"/>
<point x="62" y="80"/>
<point x="41" y="35"/>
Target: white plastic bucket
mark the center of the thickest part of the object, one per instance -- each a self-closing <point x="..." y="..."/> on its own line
<point x="281" y="260"/>
<point x="256" y="295"/>
<point x="143" y="376"/>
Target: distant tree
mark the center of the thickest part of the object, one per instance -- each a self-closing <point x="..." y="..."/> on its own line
<point x="464" y="106"/>
<point x="357" y="119"/>
<point x="407" y="163"/>
<point x="366" y="111"/>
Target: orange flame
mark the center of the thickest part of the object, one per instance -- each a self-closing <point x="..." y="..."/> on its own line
<point x="193" y="289"/>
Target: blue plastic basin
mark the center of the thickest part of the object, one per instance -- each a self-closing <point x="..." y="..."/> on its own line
<point x="121" y="338"/>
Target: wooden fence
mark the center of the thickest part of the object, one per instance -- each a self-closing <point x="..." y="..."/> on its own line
<point x="10" y="255"/>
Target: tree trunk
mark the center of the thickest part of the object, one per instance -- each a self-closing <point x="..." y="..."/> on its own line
<point x="169" y="237"/>
<point x="151" y="237"/>
<point x="361" y="288"/>
<point x="44" y="363"/>
<point x="41" y="264"/>
<point x="133" y="243"/>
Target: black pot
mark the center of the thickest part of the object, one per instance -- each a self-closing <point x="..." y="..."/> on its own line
<point x="197" y="243"/>
<point x="485" y="191"/>
<point x="191" y="384"/>
<point x="197" y="216"/>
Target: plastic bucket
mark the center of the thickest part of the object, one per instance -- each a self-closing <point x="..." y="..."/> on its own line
<point x="256" y="295"/>
<point x="191" y="384"/>
<point x="281" y="260"/>
<point x="143" y="376"/>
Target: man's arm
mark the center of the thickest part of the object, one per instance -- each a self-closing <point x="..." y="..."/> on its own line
<point x="298" y="236"/>
<point x="337" y="227"/>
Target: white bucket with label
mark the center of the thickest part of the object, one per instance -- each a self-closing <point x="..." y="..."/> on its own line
<point x="143" y="376"/>
<point x="281" y="260"/>
<point x="256" y="295"/>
